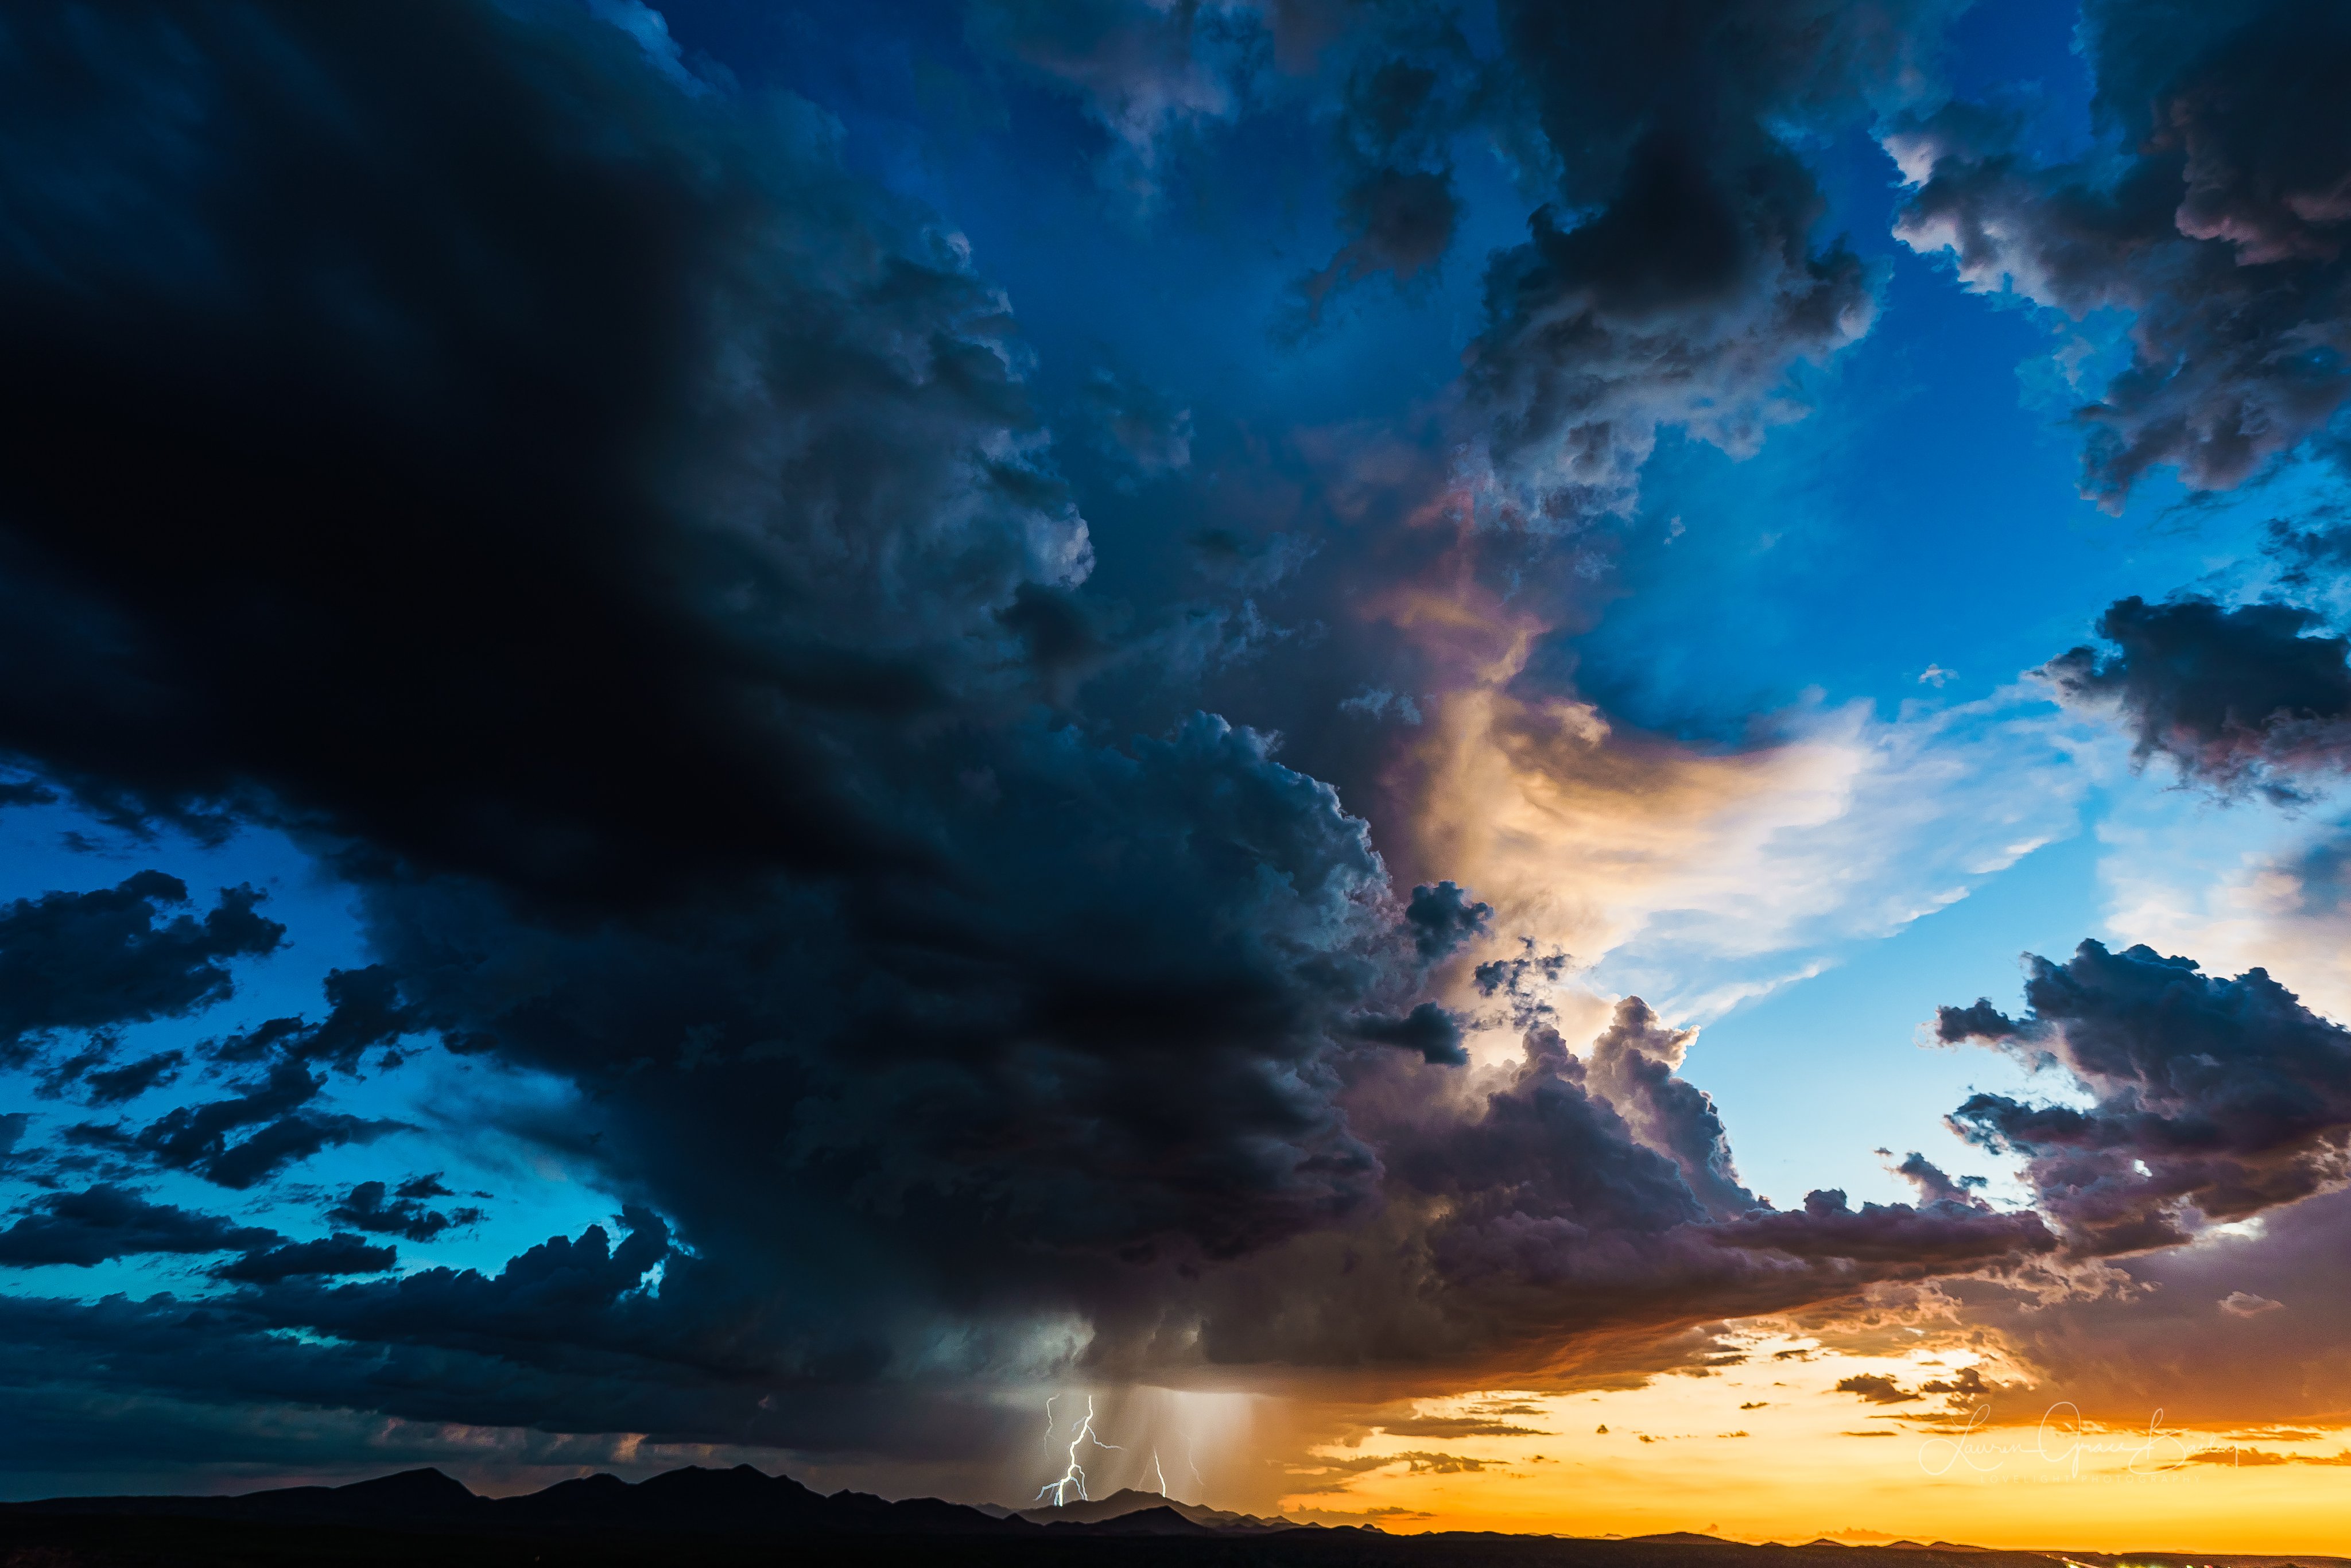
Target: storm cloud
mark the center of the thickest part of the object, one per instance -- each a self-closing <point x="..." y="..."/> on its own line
<point x="2245" y="698"/>
<point x="1687" y="288"/>
<point x="623" y="561"/>
<point x="2211" y="1099"/>
<point x="337" y="1254"/>
<point x="114" y="956"/>
<point x="623" y="544"/>
<point x="104" y="1222"/>
<point x="2218" y="228"/>
<point x="401" y="1211"/>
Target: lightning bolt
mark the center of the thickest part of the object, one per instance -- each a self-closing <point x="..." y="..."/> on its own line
<point x="1157" y="1471"/>
<point x="1048" y="1439"/>
<point x="1193" y="1462"/>
<point x="1075" y="1476"/>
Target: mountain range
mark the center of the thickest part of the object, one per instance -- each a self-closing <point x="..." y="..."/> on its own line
<point x="744" y="1515"/>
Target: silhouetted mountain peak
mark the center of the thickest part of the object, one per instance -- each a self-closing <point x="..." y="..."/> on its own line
<point x="603" y="1484"/>
<point x="425" y="1490"/>
<point x="1127" y="1502"/>
<point x="1160" y="1520"/>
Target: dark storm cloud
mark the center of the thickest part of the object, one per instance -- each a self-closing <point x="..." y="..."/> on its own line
<point x="1428" y="1029"/>
<point x="337" y="1254"/>
<point x="364" y="1013"/>
<point x="2237" y="699"/>
<point x="555" y="420"/>
<point x="1526" y="1210"/>
<point x="119" y="956"/>
<point x="546" y="1302"/>
<point x="1110" y="1032"/>
<point x="611" y="498"/>
<point x="2221" y="228"/>
<point x="530" y="1345"/>
<point x="1933" y="1185"/>
<point x="268" y="1123"/>
<point x="1939" y="1236"/>
<point x="1442" y="916"/>
<point x="87" y="1372"/>
<point x="1875" y="1387"/>
<point x="621" y="543"/>
<point x="1685" y="286"/>
<point x="371" y="1206"/>
<point x="2211" y="1099"/>
<point x="101" y="1084"/>
<point x="102" y="1222"/>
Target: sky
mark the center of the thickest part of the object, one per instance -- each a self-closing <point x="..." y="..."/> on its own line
<point x="1510" y="766"/>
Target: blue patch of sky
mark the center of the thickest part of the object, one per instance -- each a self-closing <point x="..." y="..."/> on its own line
<point x="534" y="1194"/>
<point x="1814" y="1077"/>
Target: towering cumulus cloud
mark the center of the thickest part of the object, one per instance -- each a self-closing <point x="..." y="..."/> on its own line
<point x="605" y="529"/>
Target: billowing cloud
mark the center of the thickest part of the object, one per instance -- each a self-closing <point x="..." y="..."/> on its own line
<point x="2186" y="1327"/>
<point x="1687" y="286"/>
<point x="2211" y="1099"/>
<point x="1632" y="1065"/>
<point x="114" y="956"/>
<point x="105" y="1222"/>
<point x="1524" y="1210"/>
<point x="2217" y="227"/>
<point x="401" y="1211"/>
<point x="1443" y="916"/>
<point x="647" y="555"/>
<point x="620" y="544"/>
<point x="665" y="679"/>
<point x="2250" y="697"/>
